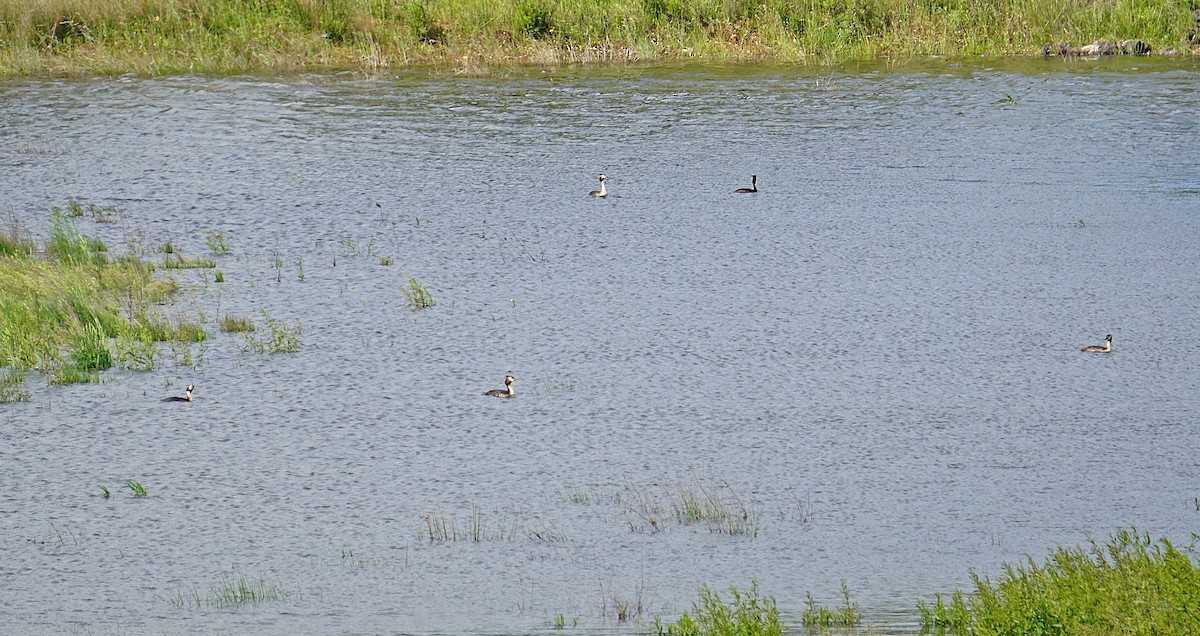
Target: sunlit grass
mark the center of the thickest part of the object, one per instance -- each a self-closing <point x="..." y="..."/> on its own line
<point x="276" y="337"/>
<point x="217" y="243"/>
<point x="440" y="527"/>
<point x="178" y="261"/>
<point x="416" y="295"/>
<point x="650" y="510"/>
<point x="236" y="324"/>
<point x="12" y="387"/>
<point x="748" y="613"/>
<point x="847" y="614"/>
<point x="234" y="590"/>
<point x="137" y="489"/>
<point x="1129" y="585"/>
<point x="71" y="311"/>
<point x="179" y="36"/>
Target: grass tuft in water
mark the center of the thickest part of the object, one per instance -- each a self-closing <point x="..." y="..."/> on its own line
<point x="179" y="261"/>
<point x="277" y="337"/>
<point x="217" y="243"/>
<point x="847" y="614"/>
<point x="439" y="527"/>
<point x="70" y="311"/>
<point x="716" y="506"/>
<point x="1128" y="585"/>
<point x="236" y="324"/>
<point x="138" y="489"/>
<point x="234" y="591"/>
<point x="416" y="295"/>
<point x="720" y="508"/>
<point x="953" y="617"/>
<point x="11" y="387"/>
<point x="748" y="614"/>
<point x="69" y="246"/>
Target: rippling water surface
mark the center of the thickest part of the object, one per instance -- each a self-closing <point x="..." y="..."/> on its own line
<point x="876" y="357"/>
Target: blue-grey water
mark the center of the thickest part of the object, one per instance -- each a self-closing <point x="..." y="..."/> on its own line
<point x="876" y="358"/>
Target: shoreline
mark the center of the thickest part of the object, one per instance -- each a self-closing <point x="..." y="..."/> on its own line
<point x="60" y="38"/>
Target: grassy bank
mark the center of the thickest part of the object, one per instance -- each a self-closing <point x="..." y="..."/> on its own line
<point x="171" y="36"/>
<point x="1129" y="585"/>
<point x="68" y="310"/>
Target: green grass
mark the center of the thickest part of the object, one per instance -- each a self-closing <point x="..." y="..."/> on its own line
<point x="12" y="387"/>
<point x="16" y="245"/>
<point x="277" y="337"/>
<point x="715" y="505"/>
<point x="70" y="311"/>
<point x="233" y="591"/>
<point x="438" y="527"/>
<point x="138" y="489"/>
<point x="416" y="295"/>
<point x="720" y="508"/>
<point x="174" y="260"/>
<point x="1129" y="585"/>
<point x="183" y="36"/>
<point x="217" y="243"/>
<point x="749" y="613"/>
<point x="236" y="324"/>
<point x="846" y="615"/>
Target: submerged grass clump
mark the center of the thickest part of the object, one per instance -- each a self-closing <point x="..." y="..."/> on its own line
<point x="217" y="243"/>
<point x="175" y="260"/>
<point x="847" y="614"/>
<point x="278" y="337"/>
<point x="12" y="387"/>
<point x="71" y="311"/>
<point x="717" y="506"/>
<point x="721" y="509"/>
<point x="236" y="324"/>
<point x="438" y="527"/>
<point x="1129" y="585"/>
<point x="416" y="295"/>
<point x="748" y="614"/>
<point x="235" y="590"/>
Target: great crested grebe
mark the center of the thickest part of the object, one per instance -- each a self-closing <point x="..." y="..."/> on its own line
<point x="753" y="185"/>
<point x="175" y="398"/>
<point x="602" y="192"/>
<point x="1098" y="349"/>
<point x="507" y="391"/>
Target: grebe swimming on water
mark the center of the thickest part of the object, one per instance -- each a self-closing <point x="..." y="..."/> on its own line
<point x="1098" y="349"/>
<point x="753" y="185"/>
<point x="175" y="398"/>
<point x="601" y="192"/>
<point x="507" y="391"/>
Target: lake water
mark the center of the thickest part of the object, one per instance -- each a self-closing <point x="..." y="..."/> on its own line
<point x="876" y="358"/>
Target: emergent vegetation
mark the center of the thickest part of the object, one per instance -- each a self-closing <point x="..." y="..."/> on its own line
<point x="233" y="591"/>
<point x="749" y="614"/>
<point x="278" y="337"/>
<point x="846" y="615"/>
<point x="174" y="36"/>
<point x="416" y="295"/>
<point x="73" y="311"/>
<point x="1130" y="585"/>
